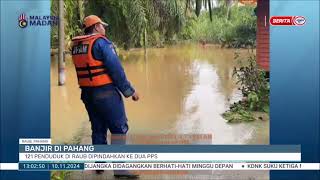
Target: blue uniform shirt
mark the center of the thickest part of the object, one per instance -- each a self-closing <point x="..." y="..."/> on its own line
<point x="104" y="50"/>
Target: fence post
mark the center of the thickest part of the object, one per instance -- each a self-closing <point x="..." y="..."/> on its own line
<point x="61" y="61"/>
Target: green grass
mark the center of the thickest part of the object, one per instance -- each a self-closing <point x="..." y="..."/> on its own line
<point x="239" y="30"/>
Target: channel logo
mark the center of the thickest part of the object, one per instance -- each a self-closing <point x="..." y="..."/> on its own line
<point x="287" y="20"/>
<point x="22" y="20"/>
<point x="299" y="20"/>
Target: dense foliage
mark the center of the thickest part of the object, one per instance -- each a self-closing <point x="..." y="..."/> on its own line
<point x="132" y="23"/>
<point x="137" y="23"/>
<point x="239" y="30"/>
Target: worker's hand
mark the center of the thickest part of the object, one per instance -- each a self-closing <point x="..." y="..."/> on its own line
<point x="135" y="96"/>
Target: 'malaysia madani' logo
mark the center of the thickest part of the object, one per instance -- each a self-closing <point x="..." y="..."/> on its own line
<point x="37" y="20"/>
<point x="22" y="20"/>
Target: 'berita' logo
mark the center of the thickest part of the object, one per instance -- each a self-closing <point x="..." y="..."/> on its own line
<point x="22" y="21"/>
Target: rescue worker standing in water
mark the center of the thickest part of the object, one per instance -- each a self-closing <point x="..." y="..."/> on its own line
<point x="101" y="78"/>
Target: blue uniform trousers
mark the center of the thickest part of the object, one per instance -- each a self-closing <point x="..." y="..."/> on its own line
<point x="106" y="111"/>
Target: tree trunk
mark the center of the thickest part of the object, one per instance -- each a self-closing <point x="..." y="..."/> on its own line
<point x="228" y="4"/>
<point x="198" y="7"/>
<point x="61" y="62"/>
<point x="81" y="9"/>
<point x="210" y="10"/>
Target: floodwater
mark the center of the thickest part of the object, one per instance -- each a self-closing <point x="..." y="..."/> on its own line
<point x="184" y="89"/>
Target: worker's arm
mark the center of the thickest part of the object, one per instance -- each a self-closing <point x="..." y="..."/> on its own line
<point x="104" y="50"/>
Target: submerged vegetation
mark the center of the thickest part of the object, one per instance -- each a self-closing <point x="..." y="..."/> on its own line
<point x="255" y="89"/>
<point x="138" y="23"/>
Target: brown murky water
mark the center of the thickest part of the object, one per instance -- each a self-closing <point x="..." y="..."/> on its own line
<point x="184" y="89"/>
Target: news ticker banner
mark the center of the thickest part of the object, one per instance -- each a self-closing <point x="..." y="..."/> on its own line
<point x="43" y="151"/>
<point x="40" y="155"/>
<point x="157" y="166"/>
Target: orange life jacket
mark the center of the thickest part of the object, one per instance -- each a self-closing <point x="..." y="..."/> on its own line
<point x="90" y="72"/>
